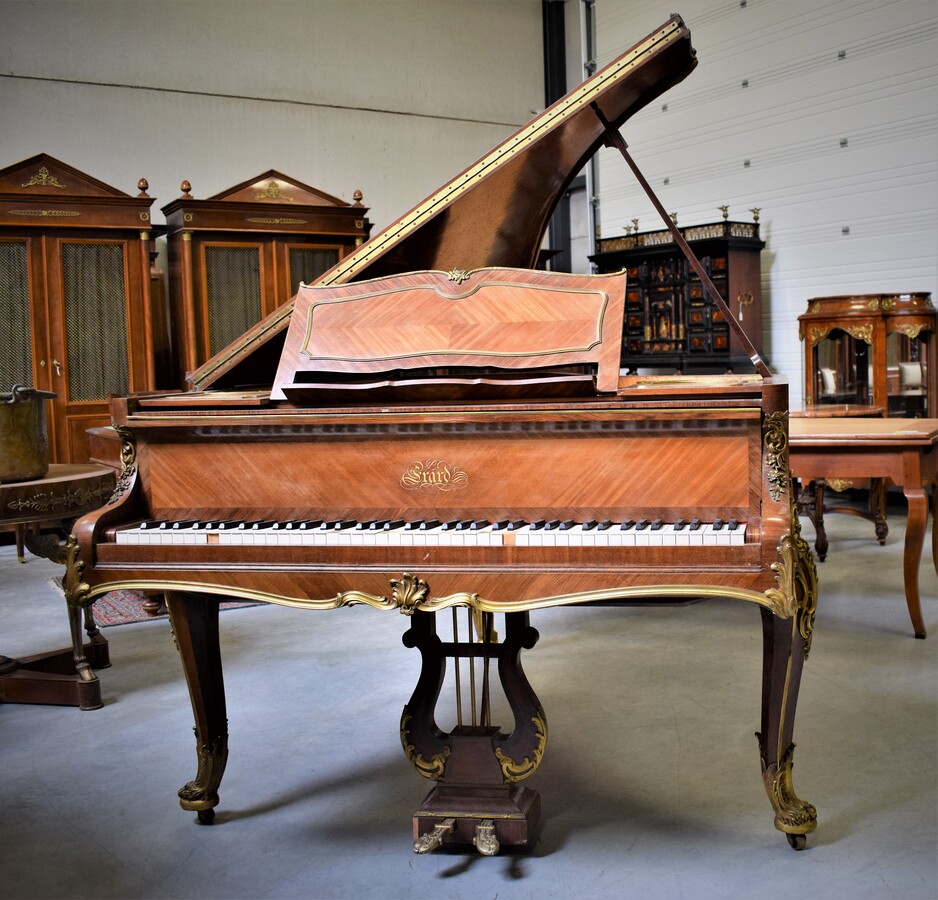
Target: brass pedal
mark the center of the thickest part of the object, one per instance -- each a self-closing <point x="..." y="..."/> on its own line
<point x="428" y="842"/>
<point x="485" y="840"/>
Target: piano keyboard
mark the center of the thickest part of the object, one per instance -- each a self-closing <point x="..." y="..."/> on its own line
<point x="423" y="533"/>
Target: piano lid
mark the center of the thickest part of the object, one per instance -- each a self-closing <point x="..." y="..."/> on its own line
<point x="495" y="212"/>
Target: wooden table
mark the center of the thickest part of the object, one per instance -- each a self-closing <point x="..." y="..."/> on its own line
<point x="836" y="410"/>
<point x="902" y="450"/>
<point x="812" y="499"/>
<point x="67" y="492"/>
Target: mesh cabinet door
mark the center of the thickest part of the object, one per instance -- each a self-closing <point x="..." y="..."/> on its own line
<point x="232" y="293"/>
<point x="94" y="284"/>
<point x="16" y="354"/>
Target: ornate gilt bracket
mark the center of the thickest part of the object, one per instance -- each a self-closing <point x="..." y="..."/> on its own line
<point x="430" y="768"/>
<point x="128" y="461"/>
<point x="911" y="331"/>
<point x="513" y="771"/>
<point x="775" y="442"/>
<point x="76" y="591"/>
<point x="796" y="577"/>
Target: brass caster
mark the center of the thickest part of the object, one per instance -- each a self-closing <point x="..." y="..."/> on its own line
<point x="485" y="840"/>
<point x="428" y="842"/>
<point x="206" y="816"/>
<point x="797" y="841"/>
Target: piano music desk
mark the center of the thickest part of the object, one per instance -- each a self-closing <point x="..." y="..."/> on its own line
<point x="903" y="450"/>
<point x="65" y="493"/>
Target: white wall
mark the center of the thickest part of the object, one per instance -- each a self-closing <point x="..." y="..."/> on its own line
<point x="394" y="97"/>
<point x="801" y="102"/>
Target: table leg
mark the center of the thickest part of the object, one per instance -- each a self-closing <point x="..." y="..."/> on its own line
<point x="878" y="509"/>
<point x="194" y="619"/>
<point x="820" y="544"/>
<point x="19" y="532"/>
<point x="934" y="526"/>
<point x="912" y="557"/>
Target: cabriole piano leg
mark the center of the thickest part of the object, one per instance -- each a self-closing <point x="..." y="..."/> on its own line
<point x="194" y="619"/>
<point x="783" y="657"/>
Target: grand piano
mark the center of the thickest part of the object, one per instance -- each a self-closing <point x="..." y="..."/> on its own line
<point x="435" y="428"/>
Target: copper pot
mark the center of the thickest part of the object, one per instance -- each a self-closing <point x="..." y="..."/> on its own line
<point x="24" y="445"/>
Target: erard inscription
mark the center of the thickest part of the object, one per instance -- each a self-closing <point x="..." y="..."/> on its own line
<point x="434" y="475"/>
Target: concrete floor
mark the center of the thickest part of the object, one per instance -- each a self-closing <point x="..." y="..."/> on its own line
<point x="650" y="785"/>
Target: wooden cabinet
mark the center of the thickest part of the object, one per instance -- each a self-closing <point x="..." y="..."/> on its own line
<point x="78" y="312"/>
<point x="235" y="257"/>
<point x="670" y="322"/>
<point x="874" y="350"/>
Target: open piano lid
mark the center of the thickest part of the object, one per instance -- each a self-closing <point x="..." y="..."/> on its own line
<point x="495" y="212"/>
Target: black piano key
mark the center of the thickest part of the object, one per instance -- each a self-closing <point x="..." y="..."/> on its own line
<point x="393" y="524"/>
<point x="695" y="524"/>
<point x="605" y="525"/>
<point x="629" y="523"/>
<point x="509" y="525"/>
<point x="589" y="526"/>
<point x="732" y="525"/>
<point x="657" y="525"/>
<point x="538" y="525"/>
<point x="567" y="524"/>
<point x="453" y="525"/>
<point x="679" y="524"/>
<point x="370" y="524"/>
<point x="553" y="525"/>
<point x="718" y="524"/>
<point x="430" y="523"/>
<point x="338" y="525"/>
